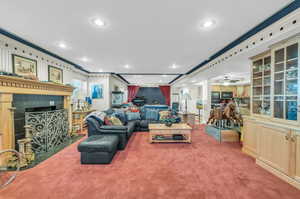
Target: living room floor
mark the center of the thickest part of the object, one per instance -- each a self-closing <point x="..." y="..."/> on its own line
<point x="203" y="169"/>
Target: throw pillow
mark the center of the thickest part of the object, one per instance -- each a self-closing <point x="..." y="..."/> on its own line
<point x="152" y="114"/>
<point x="163" y="115"/>
<point x="121" y="116"/>
<point x="107" y="121"/>
<point x="115" y="121"/>
<point x="133" y="116"/>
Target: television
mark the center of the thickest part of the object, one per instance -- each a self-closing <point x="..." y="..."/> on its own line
<point x="226" y="95"/>
<point x="215" y="97"/>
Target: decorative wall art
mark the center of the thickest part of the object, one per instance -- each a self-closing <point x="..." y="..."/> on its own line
<point x="96" y="91"/>
<point x="24" y="66"/>
<point x="77" y="89"/>
<point x="117" y="98"/>
<point x="55" y="74"/>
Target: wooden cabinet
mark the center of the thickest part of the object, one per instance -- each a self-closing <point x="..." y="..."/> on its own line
<point x="249" y="137"/>
<point x="275" y="111"/>
<point x="273" y="147"/>
<point x="274" y="82"/>
<point x="296" y="139"/>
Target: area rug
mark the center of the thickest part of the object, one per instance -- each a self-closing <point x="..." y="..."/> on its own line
<point x="205" y="169"/>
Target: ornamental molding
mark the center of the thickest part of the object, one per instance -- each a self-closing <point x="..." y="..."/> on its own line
<point x="19" y="85"/>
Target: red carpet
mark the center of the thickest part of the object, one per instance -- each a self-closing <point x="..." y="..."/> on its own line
<point x="203" y="169"/>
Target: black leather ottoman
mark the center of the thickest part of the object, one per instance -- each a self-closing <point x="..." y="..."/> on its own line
<point x="98" y="149"/>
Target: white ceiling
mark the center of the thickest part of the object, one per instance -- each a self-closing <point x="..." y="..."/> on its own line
<point x="149" y="79"/>
<point x="147" y="35"/>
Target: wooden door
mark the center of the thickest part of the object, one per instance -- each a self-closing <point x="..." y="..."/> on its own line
<point x="249" y="137"/>
<point x="274" y="147"/>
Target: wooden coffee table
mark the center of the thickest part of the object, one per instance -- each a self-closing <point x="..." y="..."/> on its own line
<point x="162" y="131"/>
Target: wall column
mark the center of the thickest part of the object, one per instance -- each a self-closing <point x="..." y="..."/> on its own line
<point x="7" y="139"/>
<point x="206" y="99"/>
<point x="67" y="106"/>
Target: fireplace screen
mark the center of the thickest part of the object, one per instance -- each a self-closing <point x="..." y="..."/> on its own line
<point x="50" y="129"/>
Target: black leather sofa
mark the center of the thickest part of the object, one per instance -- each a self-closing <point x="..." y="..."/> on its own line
<point x="96" y="127"/>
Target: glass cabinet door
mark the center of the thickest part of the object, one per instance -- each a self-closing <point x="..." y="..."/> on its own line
<point x="257" y="86"/>
<point x="286" y="82"/>
<point x="261" y="85"/>
<point x="291" y="82"/>
<point x="266" y="105"/>
<point x="278" y="83"/>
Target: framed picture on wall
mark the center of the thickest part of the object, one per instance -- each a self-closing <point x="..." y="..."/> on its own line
<point x="55" y="74"/>
<point x="24" y="66"/>
<point x="96" y="91"/>
<point x="77" y="89"/>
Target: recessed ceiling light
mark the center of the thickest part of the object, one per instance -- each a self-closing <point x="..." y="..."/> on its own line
<point x="209" y="23"/>
<point x="174" y="66"/>
<point x="126" y="66"/>
<point x="84" y="59"/>
<point x="164" y="75"/>
<point x="62" y="45"/>
<point x="97" y="22"/>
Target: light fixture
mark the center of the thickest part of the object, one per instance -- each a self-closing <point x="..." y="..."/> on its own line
<point x="100" y="70"/>
<point x="62" y="45"/>
<point x="208" y="23"/>
<point x="97" y="22"/>
<point x="84" y="59"/>
<point x="164" y="75"/>
<point x="226" y="83"/>
<point x="126" y="66"/>
<point x="174" y="66"/>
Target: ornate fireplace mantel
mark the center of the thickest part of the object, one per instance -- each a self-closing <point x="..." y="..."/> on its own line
<point x="15" y="85"/>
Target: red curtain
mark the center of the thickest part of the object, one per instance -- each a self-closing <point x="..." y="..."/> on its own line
<point x="166" y="91"/>
<point x="132" y="91"/>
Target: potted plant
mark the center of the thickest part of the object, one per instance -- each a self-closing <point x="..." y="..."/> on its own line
<point x="168" y="121"/>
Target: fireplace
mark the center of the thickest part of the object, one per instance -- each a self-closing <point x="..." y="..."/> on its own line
<point x="18" y="95"/>
<point x="32" y="103"/>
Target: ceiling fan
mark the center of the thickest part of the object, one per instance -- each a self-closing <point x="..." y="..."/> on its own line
<point x="230" y="80"/>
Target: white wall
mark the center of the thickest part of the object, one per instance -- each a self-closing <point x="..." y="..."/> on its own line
<point x="70" y="73"/>
<point x="108" y="83"/>
<point x="116" y="82"/>
<point x="200" y="91"/>
<point x="103" y="80"/>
